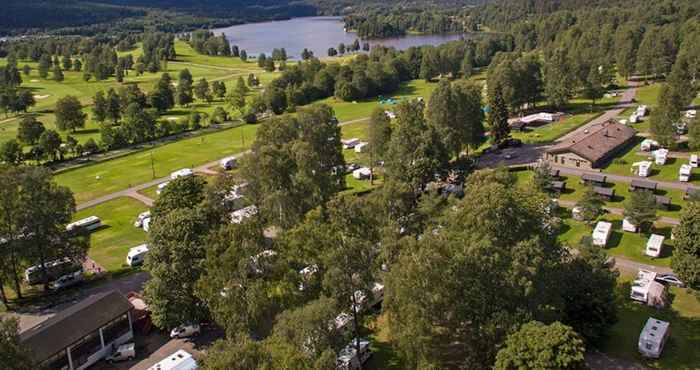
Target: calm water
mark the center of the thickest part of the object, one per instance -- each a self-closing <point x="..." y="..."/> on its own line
<point x="314" y="33"/>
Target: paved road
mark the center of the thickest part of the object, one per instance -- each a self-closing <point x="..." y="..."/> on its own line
<point x="600" y="361"/>
<point x="31" y="316"/>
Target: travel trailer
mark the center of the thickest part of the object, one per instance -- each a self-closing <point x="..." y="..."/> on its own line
<point x="601" y="233"/>
<point x="653" y="338"/>
<point x="136" y="255"/>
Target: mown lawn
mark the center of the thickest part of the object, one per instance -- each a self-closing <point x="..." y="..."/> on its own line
<point x="110" y="243"/>
<point x="681" y="350"/>
<point x="648" y="94"/>
<point x="118" y="174"/>
<point x="550" y="132"/>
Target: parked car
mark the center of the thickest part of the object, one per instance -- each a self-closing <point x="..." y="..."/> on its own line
<point x="184" y="331"/>
<point x="669" y="279"/>
<point x="67" y="280"/>
<point x="125" y="352"/>
<point x="511" y="143"/>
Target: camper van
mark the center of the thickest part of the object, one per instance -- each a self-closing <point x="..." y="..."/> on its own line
<point x="185" y="172"/>
<point x="654" y="245"/>
<point x="180" y="360"/>
<point x="350" y="359"/>
<point x="142" y="217"/>
<point x="136" y="255"/>
<point x="86" y="224"/>
<point x="653" y="338"/>
<point x="685" y="172"/>
<point x="601" y="233"/>
<point x="228" y="163"/>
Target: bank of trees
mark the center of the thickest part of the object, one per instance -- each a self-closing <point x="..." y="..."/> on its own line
<point x="33" y="218"/>
<point x="383" y="24"/>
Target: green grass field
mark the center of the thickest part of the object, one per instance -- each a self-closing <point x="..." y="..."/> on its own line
<point x="110" y="244"/>
<point x="681" y="350"/>
<point x="118" y="174"/>
<point x="553" y="131"/>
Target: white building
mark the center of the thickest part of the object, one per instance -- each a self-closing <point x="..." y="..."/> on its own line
<point x="601" y="233"/>
<point x="685" y="173"/>
<point x="185" y="172"/>
<point x="654" y="245"/>
<point x="180" y="360"/>
<point x="653" y="338"/>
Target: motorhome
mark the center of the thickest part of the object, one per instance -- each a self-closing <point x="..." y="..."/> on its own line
<point x="647" y="290"/>
<point x="350" y="143"/>
<point x="653" y="338"/>
<point x="693" y="161"/>
<point x="185" y="172"/>
<point x="180" y="360"/>
<point x="161" y="186"/>
<point x="86" y="224"/>
<point x="136" y="255"/>
<point x="601" y="233"/>
<point x="54" y="269"/>
<point x="141" y="217"/>
<point x="685" y="173"/>
<point x="228" y="163"/>
<point x="350" y="359"/>
<point x="642" y="110"/>
<point x="654" y="245"/>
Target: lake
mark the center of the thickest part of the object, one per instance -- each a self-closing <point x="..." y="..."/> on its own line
<point x="314" y="33"/>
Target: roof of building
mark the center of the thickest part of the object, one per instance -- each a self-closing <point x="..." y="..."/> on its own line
<point x="70" y="325"/>
<point x="596" y="143"/>
<point x="640" y="184"/>
<point x="593" y="177"/>
<point x="608" y="192"/>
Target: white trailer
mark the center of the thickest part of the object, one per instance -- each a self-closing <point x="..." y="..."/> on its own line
<point x="161" y="186"/>
<point x="641" y="284"/>
<point x="87" y="224"/>
<point x="244" y="213"/>
<point x="362" y="173"/>
<point x="660" y="156"/>
<point x="361" y="147"/>
<point x="629" y="226"/>
<point x="649" y="144"/>
<point x="685" y="172"/>
<point x="228" y="163"/>
<point x="350" y="143"/>
<point x="643" y="168"/>
<point x="654" y="245"/>
<point x="601" y="233"/>
<point x="185" y="172"/>
<point x="693" y="161"/>
<point x="141" y="217"/>
<point x="180" y="360"/>
<point x="653" y="338"/>
<point x="137" y="255"/>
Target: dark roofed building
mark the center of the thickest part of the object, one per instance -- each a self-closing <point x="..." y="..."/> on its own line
<point x="608" y="193"/>
<point x="643" y="185"/>
<point x="82" y="334"/>
<point x="593" y="147"/>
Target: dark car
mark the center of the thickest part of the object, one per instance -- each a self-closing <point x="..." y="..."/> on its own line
<point x="510" y="143"/>
<point x="670" y="279"/>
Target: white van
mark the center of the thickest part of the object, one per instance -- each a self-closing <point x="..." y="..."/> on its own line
<point x="125" y="352"/>
<point x="228" y="163"/>
<point x="136" y="255"/>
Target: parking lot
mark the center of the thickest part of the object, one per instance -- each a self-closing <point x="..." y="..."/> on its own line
<point x="154" y="347"/>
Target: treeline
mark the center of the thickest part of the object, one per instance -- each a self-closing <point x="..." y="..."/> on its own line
<point x="380" y="72"/>
<point x="13" y="98"/>
<point x="395" y="23"/>
<point x="205" y="42"/>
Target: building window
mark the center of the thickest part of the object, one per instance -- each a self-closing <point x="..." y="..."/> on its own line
<point x="578" y="163"/>
<point x="85" y="348"/>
